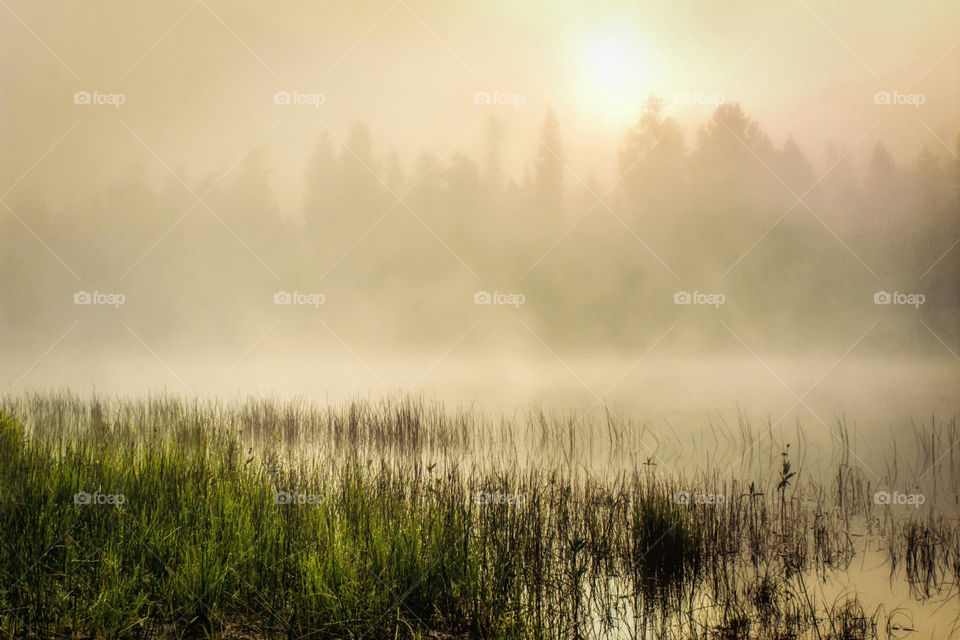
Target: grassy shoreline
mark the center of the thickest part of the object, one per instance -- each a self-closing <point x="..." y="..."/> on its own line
<point x="218" y="537"/>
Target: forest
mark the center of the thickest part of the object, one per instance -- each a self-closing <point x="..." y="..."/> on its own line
<point x="396" y="247"/>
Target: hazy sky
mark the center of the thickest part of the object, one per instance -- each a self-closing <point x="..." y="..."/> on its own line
<point x="198" y="78"/>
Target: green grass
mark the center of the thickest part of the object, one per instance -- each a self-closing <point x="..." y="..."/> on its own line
<point x="388" y="544"/>
<point x="200" y="543"/>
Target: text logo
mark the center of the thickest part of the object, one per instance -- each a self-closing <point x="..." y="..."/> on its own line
<point x="482" y="497"/>
<point x="897" y="498"/>
<point x="712" y="299"/>
<point x="898" y="98"/>
<point x="97" y="98"/>
<point x="286" y="497"/>
<point x="95" y="498"/>
<point x="511" y="99"/>
<point x="110" y="299"/>
<point x="299" y="98"/>
<point x="511" y="299"/>
<point x="684" y="497"/>
<point x="309" y="299"/>
<point x="911" y="299"/>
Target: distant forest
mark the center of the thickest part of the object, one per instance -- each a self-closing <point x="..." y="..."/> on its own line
<point x="798" y="247"/>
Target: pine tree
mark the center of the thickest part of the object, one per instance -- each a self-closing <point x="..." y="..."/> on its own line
<point x="361" y="187"/>
<point x="794" y="167"/>
<point x="652" y="159"/>
<point x="322" y="193"/>
<point x="493" y="169"/>
<point x="550" y="163"/>
<point x="882" y="174"/>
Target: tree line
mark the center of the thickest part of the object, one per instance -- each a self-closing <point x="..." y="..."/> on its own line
<point x="398" y="250"/>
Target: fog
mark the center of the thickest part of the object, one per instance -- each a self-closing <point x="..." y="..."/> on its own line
<point x="677" y="208"/>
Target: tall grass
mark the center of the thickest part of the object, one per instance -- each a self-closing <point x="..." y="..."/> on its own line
<point x="389" y="524"/>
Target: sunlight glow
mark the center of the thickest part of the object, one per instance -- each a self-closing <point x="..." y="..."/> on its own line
<point x="617" y="74"/>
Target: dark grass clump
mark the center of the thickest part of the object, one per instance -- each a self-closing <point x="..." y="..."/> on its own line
<point x="667" y="552"/>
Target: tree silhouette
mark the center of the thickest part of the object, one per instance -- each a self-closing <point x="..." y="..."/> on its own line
<point x="550" y="164"/>
<point x="493" y="169"/>
<point x="929" y="181"/>
<point x="362" y="190"/>
<point x="840" y="182"/>
<point x="652" y="159"/>
<point x="322" y="196"/>
<point x="794" y="168"/>
<point x="393" y="173"/>
<point x="730" y="141"/>
<point x="883" y="183"/>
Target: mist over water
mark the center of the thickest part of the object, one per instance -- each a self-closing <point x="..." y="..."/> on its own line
<point x="601" y="256"/>
<point x="687" y="390"/>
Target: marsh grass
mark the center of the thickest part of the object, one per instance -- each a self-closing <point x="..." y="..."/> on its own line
<point x="387" y="536"/>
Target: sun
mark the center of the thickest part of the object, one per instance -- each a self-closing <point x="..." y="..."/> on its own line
<point x="616" y="74"/>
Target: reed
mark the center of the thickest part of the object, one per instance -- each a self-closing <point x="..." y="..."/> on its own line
<point x="270" y="519"/>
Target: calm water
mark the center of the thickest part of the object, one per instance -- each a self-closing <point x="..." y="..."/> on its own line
<point x="681" y="410"/>
<point x="684" y="390"/>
